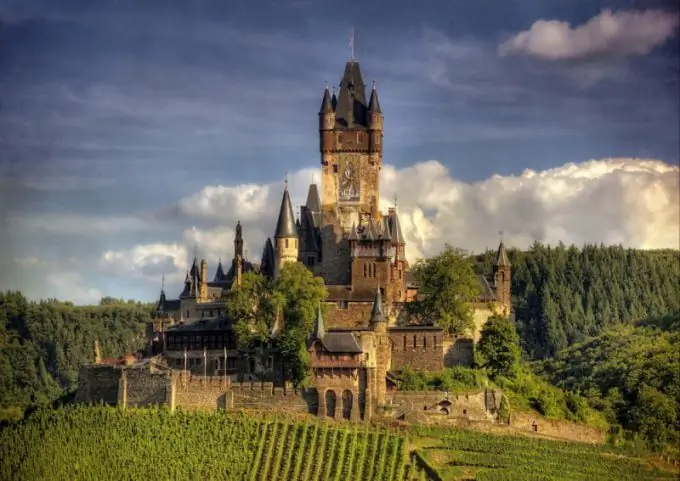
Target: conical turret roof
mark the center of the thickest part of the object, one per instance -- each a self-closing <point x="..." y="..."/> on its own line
<point x="377" y="314"/>
<point x="501" y="258"/>
<point x="285" y="227"/>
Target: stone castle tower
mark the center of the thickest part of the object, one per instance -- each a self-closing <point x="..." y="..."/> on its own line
<point x="359" y="246"/>
<point x="286" y="236"/>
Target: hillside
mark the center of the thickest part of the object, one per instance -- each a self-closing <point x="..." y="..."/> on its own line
<point x="629" y="372"/>
<point x="114" y="444"/>
<point x="42" y="344"/>
<point x="563" y="295"/>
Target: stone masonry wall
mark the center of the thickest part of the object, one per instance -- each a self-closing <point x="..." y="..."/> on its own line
<point x="144" y="388"/>
<point x="555" y="428"/>
<point x="426" y="355"/>
<point x="356" y="315"/>
<point x="470" y="406"/>
<point x="458" y="351"/>
<point x="98" y="384"/>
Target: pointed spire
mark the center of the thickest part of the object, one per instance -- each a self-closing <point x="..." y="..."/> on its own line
<point x="373" y="104"/>
<point x="397" y="236"/>
<point x="313" y="203"/>
<point x="377" y="314"/>
<point x="285" y="227"/>
<point x="219" y="274"/>
<point x="334" y="98"/>
<point x="326" y="102"/>
<point x="501" y="258"/>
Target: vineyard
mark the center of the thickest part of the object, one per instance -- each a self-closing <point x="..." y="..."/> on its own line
<point x="86" y="443"/>
<point x="92" y="443"/>
<point x="467" y="455"/>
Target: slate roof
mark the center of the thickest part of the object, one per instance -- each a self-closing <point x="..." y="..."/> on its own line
<point x="167" y="305"/>
<point x="285" y="227"/>
<point x="326" y="102"/>
<point x="201" y="325"/>
<point x="351" y="108"/>
<point x="334" y="341"/>
<point x="268" y="258"/>
<point x="501" y="258"/>
<point x="373" y="104"/>
<point x="486" y="293"/>
<point x="377" y="314"/>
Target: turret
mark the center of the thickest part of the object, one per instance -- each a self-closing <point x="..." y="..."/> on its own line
<point x="286" y="236"/>
<point x="378" y="319"/>
<point x="501" y="275"/>
<point x="375" y="122"/>
<point x="326" y="121"/>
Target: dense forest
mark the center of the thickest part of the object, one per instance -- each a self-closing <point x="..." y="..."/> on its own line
<point x="42" y="344"/>
<point x="630" y="372"/>
<point x="563" y="295"/>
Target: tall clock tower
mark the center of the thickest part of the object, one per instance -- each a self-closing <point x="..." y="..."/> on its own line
<point x="350" y="142"/>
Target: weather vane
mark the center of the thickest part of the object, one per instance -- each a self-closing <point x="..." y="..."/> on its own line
<point x="285" y="182"/>
<point x="162" y="282"/>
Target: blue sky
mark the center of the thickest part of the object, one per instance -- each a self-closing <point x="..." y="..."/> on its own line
<point x="115" y="115"/>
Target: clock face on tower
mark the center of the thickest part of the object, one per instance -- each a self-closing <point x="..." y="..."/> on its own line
<point x="349" y="182"/>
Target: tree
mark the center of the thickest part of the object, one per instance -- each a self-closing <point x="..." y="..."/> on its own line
<point x="252" y="306"/>
<point x="499" y="346"/>
<point x="448" y="287"/>
<point x="298" y="294"/>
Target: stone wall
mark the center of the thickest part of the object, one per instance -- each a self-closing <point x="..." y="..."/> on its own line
<point x="144" y="388"/>
<point x="425" y="354"/>
<point x="472" y="406"/>
<point x="356" y="315"/>
<point x="556" y="428"/>
<point x="198" y="392"/>
<point x="98" y="383"/>
<point x="459" y="351"/>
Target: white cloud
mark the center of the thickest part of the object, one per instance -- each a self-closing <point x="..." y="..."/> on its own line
<point x="149" y="261"/>
<point x="607" y="34"/>
<point x="634" y="202"/>
<point x="629" y="201"/>
<point x="71" y="286"/>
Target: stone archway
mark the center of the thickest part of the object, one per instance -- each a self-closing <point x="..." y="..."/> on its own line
<point x="331" y="399"/>
<point x="347" y="400"/>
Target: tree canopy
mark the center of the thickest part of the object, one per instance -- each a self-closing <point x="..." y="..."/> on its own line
<point x="499" y="346"/>
<point x="448" y="288"/>
<point x="295" y="295"/>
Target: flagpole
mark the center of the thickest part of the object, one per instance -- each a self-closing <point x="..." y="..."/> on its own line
<point x="351" y="44"/>
<point x="205" y="362"/>
<point x="225" y="365"/>
<point x="185" y="366"/>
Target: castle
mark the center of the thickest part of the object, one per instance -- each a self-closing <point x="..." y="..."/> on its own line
<point x="342" y="237"/>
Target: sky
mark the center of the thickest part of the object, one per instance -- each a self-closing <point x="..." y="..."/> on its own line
<point x="134" y="134"/>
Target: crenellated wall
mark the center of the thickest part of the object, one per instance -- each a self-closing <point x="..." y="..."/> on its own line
<point x="142" y="387"/>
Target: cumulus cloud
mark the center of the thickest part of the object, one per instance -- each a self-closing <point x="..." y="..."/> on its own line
<point x="610" y="33"/>
<point x="629" y="201"/>
<point x="72" y="286"/>
<point x="148" y="261"/>
<point x="634" y="202"/>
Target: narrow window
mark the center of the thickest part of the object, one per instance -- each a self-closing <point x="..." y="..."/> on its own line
<point x="414" y="341"/>
<point x="434" y="342"/>
<point x="424" y="342"/>
<point x="286" y="243"/>
<point x="365" y="270"/>
<point x="404" y="342"/>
